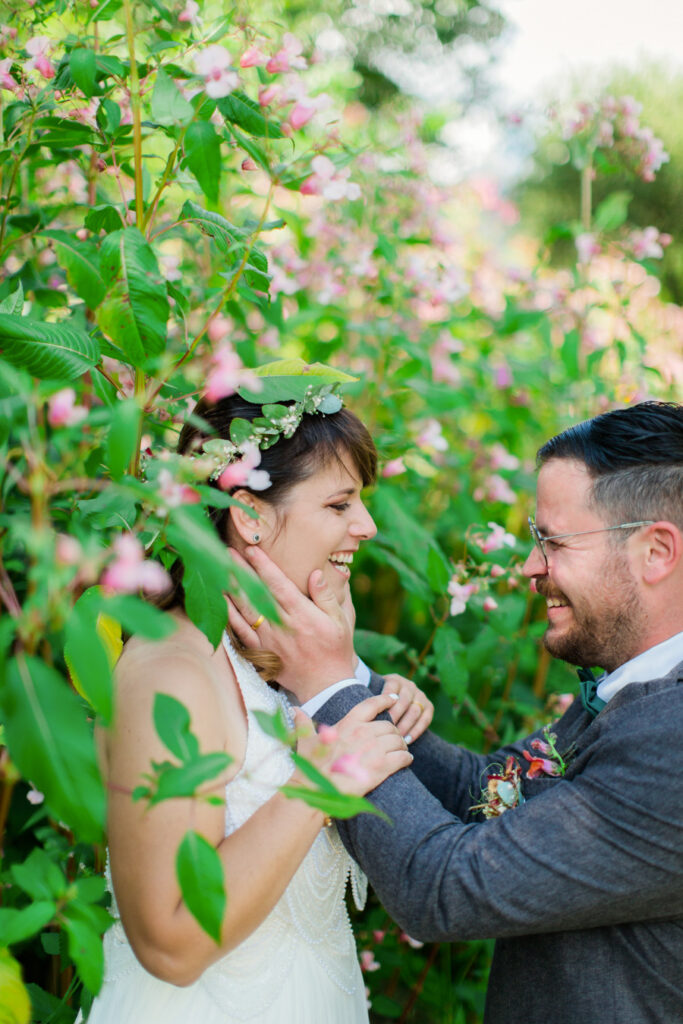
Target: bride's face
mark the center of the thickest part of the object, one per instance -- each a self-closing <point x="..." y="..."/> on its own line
<point x="320" y="526"/>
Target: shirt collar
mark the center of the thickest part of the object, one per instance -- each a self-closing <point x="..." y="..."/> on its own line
<point x="654" y="663"/>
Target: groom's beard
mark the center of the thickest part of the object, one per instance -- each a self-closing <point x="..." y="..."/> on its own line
<point x="606" y="625"/>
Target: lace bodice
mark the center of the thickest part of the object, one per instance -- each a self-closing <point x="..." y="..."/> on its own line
<point x="311" y="912"/>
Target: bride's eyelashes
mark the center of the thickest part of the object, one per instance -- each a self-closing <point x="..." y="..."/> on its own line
<point x="341" y="507"/>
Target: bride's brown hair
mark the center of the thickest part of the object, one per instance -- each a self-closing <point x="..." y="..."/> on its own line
<point x="318" y="440"/>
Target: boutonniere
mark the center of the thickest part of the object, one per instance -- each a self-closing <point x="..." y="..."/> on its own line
<point x="503" y="789"/>
<point x="546" y="759"/>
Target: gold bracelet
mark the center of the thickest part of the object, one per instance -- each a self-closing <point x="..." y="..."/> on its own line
<point x="327" y="822"/>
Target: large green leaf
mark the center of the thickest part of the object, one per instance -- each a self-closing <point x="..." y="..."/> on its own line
<point x="49" y="351"/>
<point x="51" y="743"/>
<point x="169" y="106"/>
<point x="86" y="656"/>
<point x="172" y="723"/>
<point x="84" y="925"/>
<point x="200" y="875"/>
<point x="337" y="805"/>
<point x="184" y="780"/>
<point x="203" y="157"/>
<point x="17" y="925"/>
<point x="83" y="67"/>
<point x="123" y="436"/>
<point x="451" y="662"/>
<point x="81" y="262"/>
<point x="240" y="109"/>
<point x="14" y="302"/>
<point x="135" y="309"/>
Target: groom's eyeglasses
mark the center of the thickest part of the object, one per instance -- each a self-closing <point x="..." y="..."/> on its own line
<point x="540" y="540"/>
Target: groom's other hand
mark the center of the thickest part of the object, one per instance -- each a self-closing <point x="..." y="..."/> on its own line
<point x="314" y="640"/>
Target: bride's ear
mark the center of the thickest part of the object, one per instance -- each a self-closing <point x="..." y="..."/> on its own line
<point x="250" y="528"/>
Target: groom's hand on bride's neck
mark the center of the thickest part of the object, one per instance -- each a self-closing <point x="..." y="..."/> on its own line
<point x="315" y="639"/>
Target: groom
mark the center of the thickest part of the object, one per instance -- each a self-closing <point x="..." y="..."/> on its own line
<point x="581" y="883"/>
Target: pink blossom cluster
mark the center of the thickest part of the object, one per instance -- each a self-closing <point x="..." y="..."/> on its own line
<point x="173" y="493"/>
<point x="130" y="571"/>
<point x="243" y="472"/>
<point x="431" y="437"/>
<point x="647" y="244"/>
<point x="460" y="593"/>
<point x="38" y="49"/>
<point x="63" y="410"/>
<point x="214" y="64"/>
<point x="329" y="181"/>
<point x="497" y="539"/>
<point x="614" y="124"/>
<point x="227" y="373"/>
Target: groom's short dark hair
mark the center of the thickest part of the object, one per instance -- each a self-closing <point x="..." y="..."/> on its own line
<point x="635" y="456"/>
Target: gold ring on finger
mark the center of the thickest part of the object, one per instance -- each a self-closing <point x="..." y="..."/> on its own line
<point x="255" y="625"/>
<point x="420" y="705"/>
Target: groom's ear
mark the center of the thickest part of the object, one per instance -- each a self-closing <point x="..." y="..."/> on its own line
<point x="250" y="524"/>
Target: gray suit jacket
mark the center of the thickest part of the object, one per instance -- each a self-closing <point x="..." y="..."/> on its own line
<point x="582" y="885"/>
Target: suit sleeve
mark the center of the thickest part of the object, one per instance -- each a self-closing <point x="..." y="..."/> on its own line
<point x="597" y="850"/>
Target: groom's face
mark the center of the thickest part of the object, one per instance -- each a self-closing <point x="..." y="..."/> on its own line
<point x="595" y="615"/>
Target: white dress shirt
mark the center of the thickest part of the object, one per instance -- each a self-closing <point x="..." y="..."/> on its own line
<point x="654" y="663"/>
<point x="362" y="675"/>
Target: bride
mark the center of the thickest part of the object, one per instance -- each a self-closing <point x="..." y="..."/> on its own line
<point x="286" y="953"/>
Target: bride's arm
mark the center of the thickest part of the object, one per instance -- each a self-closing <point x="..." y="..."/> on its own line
<point x="258" y="859"/>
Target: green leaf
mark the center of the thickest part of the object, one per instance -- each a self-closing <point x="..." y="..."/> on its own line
<point x="612" y="211"/>
<point x="108" y="118"/>
<point x="240" y="109"/>
<point x="408" y="538"/>
<point x="314" y="774"/>
<point x="48" y="351"/>
<point x="172" y="723"/>
<point x="204" y="603"/>
<point x="203" y="157"/>
<point x="14" y="303"/>
<point x="86" y="655"/>
<point x="17" y="925"/>
<point x="51" y="743"/>
<point x="212" y="224"/>
<point x="438" y="571"/>
<point x="274" y="725"/>
<point x="183" y="781"/>
<point x="200" y="875"/>
<point x="81" y="261"/>
<point x="135" y="309"/>
<point x="122" y="441"/>
<point x="138" y="617"/>
<point x="571" y="347"/>
<point x="337" y="805"/>
<point x="39" y="876"/>
<point x="85" y="946"/>
<point x="103" y="218"/>
<point x="451" y="662"/>
<point x="257" y="154"/>
<point x="82" y="64"/>
<point x="169" y="106"/>
<point x="374" y="647"/>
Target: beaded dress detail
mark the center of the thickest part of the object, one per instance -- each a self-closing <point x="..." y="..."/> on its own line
<point x="300" y="965"/>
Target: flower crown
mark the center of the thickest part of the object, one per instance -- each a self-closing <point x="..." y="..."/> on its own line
<point x="286" y="380"/>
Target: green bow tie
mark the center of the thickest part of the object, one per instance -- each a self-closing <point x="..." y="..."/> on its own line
<point x="589" y="692"/>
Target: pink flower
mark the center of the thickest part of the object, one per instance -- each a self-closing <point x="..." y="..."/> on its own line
<point x="496" y="571"/>
<point x="38" y="48"/>
<point x="329" y="182"/>
<point x="541" y="747"/>
<point x="648" y="243"/>
<point x="498" y="489"/>
<point x="393" y="468"/>
<point x="62" y="410"/>
<point x="174" y="493"/>
<point x="368" y="962"/>
<point x="460" y="594"/>
<point x="190" y="13"/>
<point x="227" y="373"/>
<point x="378" y="935"/>
<point x="252" y="58"/>
<point x="350" y="764"/>
<point x="502" y="376"/>
<point x="586" y="247"/>
<point x="6" y="80"/>
<point x="214" y="64"/>
<point x="490" y="604"/>
<point x="497" y="539"/>
<point x="540" y="766"/>
<point x="248" y="164"/>
<point x="34" y="796"/>
<point x="431" y="437"/>
<point x="300" y="114"/>
<point x="270" y="93"/>
<point x="67" y="550"/>
<point x="130" y="571"/>
<point x="328" y="734"/>
<point x="289" y="57"/>
<point x="413" y="943"/>
<point x="243" y="472"/>
<point x="501" y="457"/>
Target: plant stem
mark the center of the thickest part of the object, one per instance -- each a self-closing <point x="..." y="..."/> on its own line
<point x="137" y="121"/>
<point x="586" y="195"/>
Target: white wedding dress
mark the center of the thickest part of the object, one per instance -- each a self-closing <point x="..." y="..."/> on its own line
<point x="300" y="965"/>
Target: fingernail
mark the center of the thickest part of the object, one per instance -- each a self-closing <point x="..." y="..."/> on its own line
<point x="408" y="738"/>
<point x="394" y="696"/>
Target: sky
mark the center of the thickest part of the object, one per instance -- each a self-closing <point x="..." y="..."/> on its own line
<point x="549" y="44"/>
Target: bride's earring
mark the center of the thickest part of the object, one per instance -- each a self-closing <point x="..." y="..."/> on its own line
<point x="255" y="538"/>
